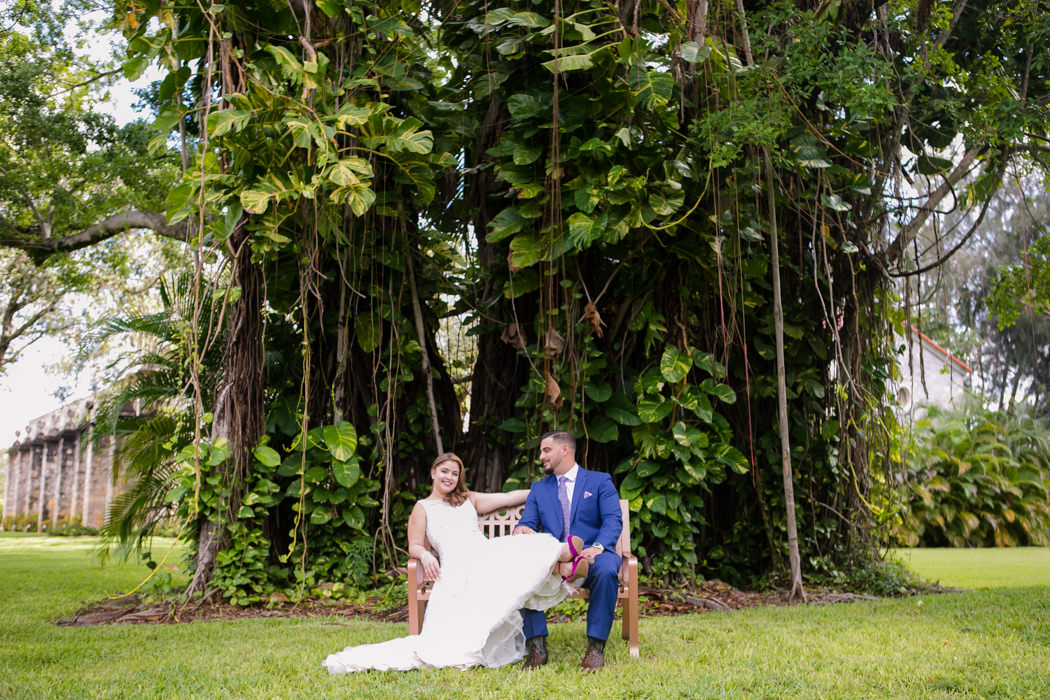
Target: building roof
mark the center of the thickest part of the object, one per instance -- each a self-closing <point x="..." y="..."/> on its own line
<point x="948" y="357"/>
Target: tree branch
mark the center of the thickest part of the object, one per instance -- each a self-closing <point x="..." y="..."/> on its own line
<point x="911" y="229"/>
<point x="39" y="248"/>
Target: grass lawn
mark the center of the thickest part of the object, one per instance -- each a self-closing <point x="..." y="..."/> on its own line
<point x="1003" y="567"/>
<point x="986" y="643"/>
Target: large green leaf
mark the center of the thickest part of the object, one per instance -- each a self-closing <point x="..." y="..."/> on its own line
<point x="227" y="120"/>
<point x="525" y="251"/>
<point x="621" y="410"/>
<point x="346" y="473"/>
<point x="267" y="456"/>
<point x="341" y="440"/>
<point x="566" y="64"/>
<point x="722" y="391"/>
<point x="675" y="365"/>
<point x="601" y="429"/>
<point x="368" y="330"/>
<point x="653" y="409"/>
<point x="506" y="223"/>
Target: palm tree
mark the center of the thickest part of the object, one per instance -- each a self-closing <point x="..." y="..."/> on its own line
<point x="152" y="410"/>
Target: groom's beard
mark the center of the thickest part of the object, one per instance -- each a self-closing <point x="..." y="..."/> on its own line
<point x="548" y="470"/>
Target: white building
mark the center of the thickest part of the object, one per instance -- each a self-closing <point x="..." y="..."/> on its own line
<point x="930" y="375"/>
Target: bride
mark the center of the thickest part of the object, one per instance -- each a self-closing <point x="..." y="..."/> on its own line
<point x="480" y="584"/>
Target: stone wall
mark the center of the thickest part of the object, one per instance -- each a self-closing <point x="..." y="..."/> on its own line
<point x="57" y="475"/>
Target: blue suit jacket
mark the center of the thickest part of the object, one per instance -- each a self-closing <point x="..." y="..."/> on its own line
<point x="594" y="513"/>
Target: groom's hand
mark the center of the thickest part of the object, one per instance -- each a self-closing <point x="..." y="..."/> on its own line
<point x="590" y="553"/>
<point x="523" y="530"/>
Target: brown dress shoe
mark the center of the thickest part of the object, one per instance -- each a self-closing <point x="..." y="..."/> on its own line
<point x="595" y="656"/>
<point x="535" y="653"/>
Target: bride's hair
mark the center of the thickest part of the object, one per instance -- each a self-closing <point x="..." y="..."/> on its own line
<point x="458" y="494"/>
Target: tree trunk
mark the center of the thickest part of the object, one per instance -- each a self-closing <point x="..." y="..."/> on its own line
<point x="797" y="591"/>
<point x="239" y="406"/>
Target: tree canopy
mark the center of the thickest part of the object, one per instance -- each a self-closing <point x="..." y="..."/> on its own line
<point x="591" y="189"/>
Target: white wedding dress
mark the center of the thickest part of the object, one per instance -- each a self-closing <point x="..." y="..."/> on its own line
<point x="472" y="618"/>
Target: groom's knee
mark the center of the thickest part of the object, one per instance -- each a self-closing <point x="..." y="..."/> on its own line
<point x="605" y="570"/>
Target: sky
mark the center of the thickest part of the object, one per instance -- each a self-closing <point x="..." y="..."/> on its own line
<point x="27" y="389"/>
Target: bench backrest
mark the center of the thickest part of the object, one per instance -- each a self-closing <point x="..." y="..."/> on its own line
<point x="502" y="522"/>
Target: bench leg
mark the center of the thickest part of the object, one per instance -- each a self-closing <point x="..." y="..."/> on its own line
<point x="415" y="605"/>
<point x="630" y="609"/>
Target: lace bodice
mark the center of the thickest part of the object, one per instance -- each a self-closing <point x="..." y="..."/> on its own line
<point x="452" y="530"/>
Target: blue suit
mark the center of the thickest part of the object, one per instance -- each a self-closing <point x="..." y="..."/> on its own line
<point x="594" y="517"/>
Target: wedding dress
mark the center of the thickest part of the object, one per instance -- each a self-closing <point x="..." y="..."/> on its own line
<point x="472" y="618"/>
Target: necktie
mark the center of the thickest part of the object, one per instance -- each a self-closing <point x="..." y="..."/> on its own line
<point x="563" y="499"/>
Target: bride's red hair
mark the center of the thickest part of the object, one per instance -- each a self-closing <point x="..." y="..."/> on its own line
<point x="458" y="494"/>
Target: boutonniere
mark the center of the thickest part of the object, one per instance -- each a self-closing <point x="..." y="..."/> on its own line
<point x="587" y="494"/>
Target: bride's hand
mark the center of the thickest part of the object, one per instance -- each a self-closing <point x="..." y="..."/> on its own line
<point x="431" y="568"/>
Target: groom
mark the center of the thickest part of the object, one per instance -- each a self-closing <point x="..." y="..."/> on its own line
<point x="572" y="500"/>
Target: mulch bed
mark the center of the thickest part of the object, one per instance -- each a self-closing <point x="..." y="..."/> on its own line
<point x="709" y="596"/>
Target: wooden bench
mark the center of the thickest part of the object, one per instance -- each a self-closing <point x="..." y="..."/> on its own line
<point x="500" y="524"/>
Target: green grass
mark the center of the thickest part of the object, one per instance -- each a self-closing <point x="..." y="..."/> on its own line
<point x="1002" y="567"/>
<point x="987" y="643"/>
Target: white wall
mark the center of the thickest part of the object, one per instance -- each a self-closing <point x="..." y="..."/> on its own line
<point x="946" y="380"/>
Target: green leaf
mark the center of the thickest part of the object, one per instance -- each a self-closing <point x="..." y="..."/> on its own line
<point x="220" y="450"/>
<point x="598" y="393"/>
<point x="345" y="171"/>
<point x="346" y="473"/>
<point x="601" y="429"/>
<point x="354" y="517"/>
<point x="368" y="330"/>
<point x="181" y="202"/>
<point x="566" y="64"/>
<point x="722" y="391"/>
<point x="506" y="223"/>
<point x="652" y="88"/>
<point x="732" y="458"/>
<point x="320" y="517"/>
<point x="352" y="115"/>
<point x="524" y="155"/>
<point x="341" y="440"/>
<point x="646" y="469"/>
<point x="290" y="65"/>
<point x="291" y="465"/>
<point x="227" y="120"/>
<point x="693" y="52"/>
<point x="523" y="106"/>
<point x="675" y="365"/>
<point x="809" y="153"/>
<point x="665" y="205"/>
<point x="932" y="165"/>
<point x="835" y="202"/>
<point x="358" y="197"/>
<point x="513" y="425"/>
<point x="689" y="436"/>
<point x="267" y="456"/>
<point x="653" y="409"/>
<point x="522" y="282"/>
<point x="525" y="251"/>
<point x="621" y="410"/>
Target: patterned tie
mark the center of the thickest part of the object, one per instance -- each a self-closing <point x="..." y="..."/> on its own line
<point x="563" y="499"/>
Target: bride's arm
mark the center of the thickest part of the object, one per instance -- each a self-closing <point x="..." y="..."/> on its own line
<point x="488" y="502"/>
<point x="417" y="535"/>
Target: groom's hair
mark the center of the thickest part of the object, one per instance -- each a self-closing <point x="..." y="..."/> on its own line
<point x="562" y="437"/>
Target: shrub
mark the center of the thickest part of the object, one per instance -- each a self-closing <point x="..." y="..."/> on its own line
<point x="976" y="478"/>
